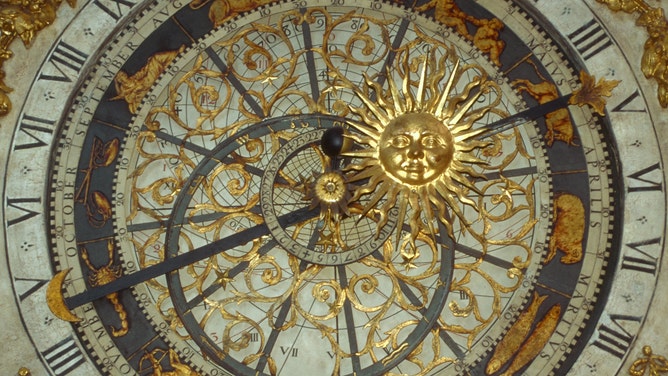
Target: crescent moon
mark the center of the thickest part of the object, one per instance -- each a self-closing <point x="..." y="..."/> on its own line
<point x="55" y="299"/>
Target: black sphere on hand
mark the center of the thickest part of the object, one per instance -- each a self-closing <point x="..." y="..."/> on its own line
<point x="332" y="142"/>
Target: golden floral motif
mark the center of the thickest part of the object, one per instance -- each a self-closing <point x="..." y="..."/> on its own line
<point x="650" y="364"/>
<point x="22" y="19"/>
<point x="654" y="62"/>
<point x="592" y="93"/>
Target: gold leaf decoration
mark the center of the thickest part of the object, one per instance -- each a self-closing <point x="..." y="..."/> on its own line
<point x="655" y="364"/>
<point x="22" y="19"/>
<point x="654" y="63"/>
<point x="593" y="93"/>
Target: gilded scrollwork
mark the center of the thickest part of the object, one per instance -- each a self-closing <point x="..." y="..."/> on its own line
<point x="23" y="20"/>
<point x="203" y="110"/>
<point x="649" y="364"/>
<point x="654" y="62"/>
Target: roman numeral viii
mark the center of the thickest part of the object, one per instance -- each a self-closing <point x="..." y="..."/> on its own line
<point x="67" y="60"/>
<point x="642" y="256"/>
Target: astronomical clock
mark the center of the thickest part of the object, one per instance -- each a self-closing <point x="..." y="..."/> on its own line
<point x="333" y="187"/>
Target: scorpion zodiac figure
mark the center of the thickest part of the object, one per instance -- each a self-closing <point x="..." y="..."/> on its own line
<point x="106" y="274"/>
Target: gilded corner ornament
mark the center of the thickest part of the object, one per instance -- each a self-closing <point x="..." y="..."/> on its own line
<point x="654" y="63"/>
<point x="21" y="19"/>
<point x="655" y="364"/>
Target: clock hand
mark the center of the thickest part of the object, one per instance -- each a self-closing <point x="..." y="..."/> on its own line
<point x="61" y="307"/>
<point x="333" y="143"/>
<point x="524" y="117"/>
<point x="591" y="93"/>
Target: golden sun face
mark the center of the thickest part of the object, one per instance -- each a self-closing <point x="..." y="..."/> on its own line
<point x="415" y="148"/>
<point x="416" y="141"/>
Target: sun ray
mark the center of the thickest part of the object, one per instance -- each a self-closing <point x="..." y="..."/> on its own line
<point x="371" y="126"/>
<point x="414" y="201"/>
<point x="417" y="153"/>
<point x="442" y="210"/>
<point x="464" y="109"/>
<point x="419" y="99"/>
<point x="381" y="192"/>
<point x="406" y="85"/>
<point x="369" y="139"/>
<point x="446" y="91"/>
<point x="467" y="135"/>
<point x="368" y="173"/>
<point x="364" y="153"/>
<point x="368" y="188"/>
<point x="399" y="105"/>
<point x="376" y="107"/>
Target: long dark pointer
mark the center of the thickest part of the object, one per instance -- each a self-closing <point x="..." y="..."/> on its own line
<point x="168" y="265"/>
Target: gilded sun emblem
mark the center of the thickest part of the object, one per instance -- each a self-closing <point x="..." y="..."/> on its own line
<point x="416" y="141"/>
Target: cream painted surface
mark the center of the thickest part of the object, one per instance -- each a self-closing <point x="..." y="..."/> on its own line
<point x="18" y="350"/>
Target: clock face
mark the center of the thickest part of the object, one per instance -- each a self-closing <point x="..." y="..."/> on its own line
<point x="329" y="187"/>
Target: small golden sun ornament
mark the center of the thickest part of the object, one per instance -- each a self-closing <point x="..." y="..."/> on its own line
<point x="418" y="142"/>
